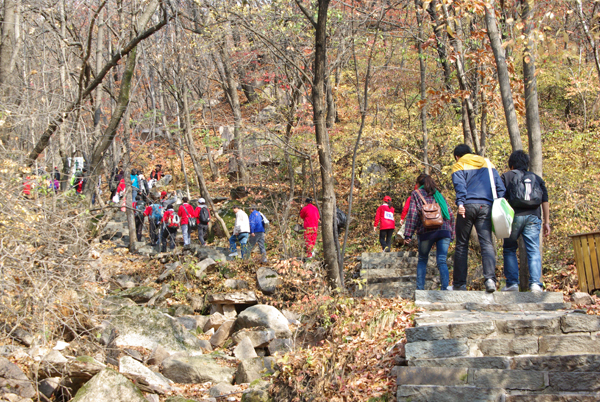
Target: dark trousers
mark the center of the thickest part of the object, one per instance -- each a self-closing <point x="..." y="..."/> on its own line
<point x="480" y="216"/>
<point x="153" y="231"/>
<point x="168" y="235"/>
<point x="385" y="239"/>
<point x="139" y="225"/>
<point x="202" y="231"/>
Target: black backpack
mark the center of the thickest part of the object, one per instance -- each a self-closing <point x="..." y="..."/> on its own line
<point x="341" y="218"/>
<point x="524" y="190"/>
<point x="139" y="210"/>
<point x="204" y="216"/>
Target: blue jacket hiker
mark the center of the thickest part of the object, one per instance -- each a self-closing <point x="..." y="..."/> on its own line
<point x="257" y="233"/>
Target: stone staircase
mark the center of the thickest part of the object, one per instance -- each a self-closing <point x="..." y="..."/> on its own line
<point x="505" y="346"/>
<point x="394" y="274"/>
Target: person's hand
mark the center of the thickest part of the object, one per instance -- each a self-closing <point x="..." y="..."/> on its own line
<point x="252" y="234"/>
<point x="547" y="229"/>
<point x="375" y="229"/>
<point x="461" y="210"/>
<point x="407" y="241"/>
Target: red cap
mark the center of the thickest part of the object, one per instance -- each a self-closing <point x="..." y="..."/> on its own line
<point x="163" y="193"/>
<point x="387" y="198"/>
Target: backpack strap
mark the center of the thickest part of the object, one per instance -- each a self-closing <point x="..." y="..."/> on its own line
<point x="421" y="196"/>
<point x="492" y="182"/>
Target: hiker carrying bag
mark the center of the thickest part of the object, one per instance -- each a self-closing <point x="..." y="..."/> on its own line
<point x="157" y="213"/>
<point x="524" y="190"/>
<point x="502" y="213"/>
<point x="173" y="220"/>
<point x="139" y="211"/>
<point x="431" y="214"/>
<point x="204" y="216"/>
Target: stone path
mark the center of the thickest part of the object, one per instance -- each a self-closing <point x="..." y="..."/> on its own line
<point x="394" y="274"/>
<point x="505" y="346"/>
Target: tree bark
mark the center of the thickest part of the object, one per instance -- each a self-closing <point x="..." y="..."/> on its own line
<point x="589" y="37"/>
<point x="330" y="251"/>
<point x="422" y="73"/>
<point x="455" y="34"/>
<point x="113" y="125"/>
<point x="197" y="167"/>
<point x="534" y="132"/>
<point x="128" y="186"/>
<point x="230" y="87"/>
<point x="503" y="78"/>
<point x="8" y="40"/>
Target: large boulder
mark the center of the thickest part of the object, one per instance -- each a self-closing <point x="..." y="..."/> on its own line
<point x="260" y="337"/>
<point x="14" y="381"/>
<point x="254" y="369"/>
<point x="266" y="316"/>
<point x="147" y="328"/>
<point x="268" y="280"/>
<point x="108" y="385"/>
<point x="143" y="375"/>
<point x="197" y="369"/>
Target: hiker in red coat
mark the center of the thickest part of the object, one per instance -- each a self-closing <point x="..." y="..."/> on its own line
<point x="310" y="216"/>
<point x="385" y="219"/>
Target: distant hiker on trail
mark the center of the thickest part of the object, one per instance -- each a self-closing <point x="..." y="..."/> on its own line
<point x="144" y="189"/>
<point x="170" y="223"/>
<point x="241" y="232"/>
<point x="257" y="233"/>
<point x="154" y="212"/>
<point x="120" y="191"/>
<point x="135" y="186"/>
<point x="115" y="183"/>
<point x="525" y="192"/>
<point x="167" y="201"/>
<point x="310" y="215"/>
<point x="140" y="208"/>
<point x="188" y="218"/>
<point x="27" y="187"/>
<point x="80" y="180"/>
<point x="442" y="235"/>
<point x="156" y="173"/>
<point x="384" y="217"/>
<point x="203" y="216"/>
<point x="474" y="198"/>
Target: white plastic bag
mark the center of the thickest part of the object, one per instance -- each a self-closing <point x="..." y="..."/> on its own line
<point x="502" y="213"/>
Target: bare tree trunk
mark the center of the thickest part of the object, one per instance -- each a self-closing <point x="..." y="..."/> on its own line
<point x="197" y="167"/>
<point x="331" y="108"/>
<point x="113" y="125"/>
<point x="422" y="71"/>
<point x="234" y="102"/>
<point x="455" y="33"/>
<point x="503" y="79"/>
<point x="9" y="22"/>
<point x="532" y="114"/>
<point x="128" y="186"/>
<point x="330" y="250"/>
<point x="589" y="37"/>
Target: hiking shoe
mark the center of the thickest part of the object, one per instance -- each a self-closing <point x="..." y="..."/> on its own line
<point x="490" y="285"/>
<point x="233" y="254"/>
<point x="511" y="288"/>
<point x="460" y="288"/>
<point x="535" y="288"/>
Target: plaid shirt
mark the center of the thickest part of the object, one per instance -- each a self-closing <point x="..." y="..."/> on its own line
<point x="413" y="219"/>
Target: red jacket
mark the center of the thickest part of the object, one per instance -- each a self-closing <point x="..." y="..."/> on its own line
<point x="121" y="186"/>
<point x="186" y="211"/>
<point x="310" y="215"/>
<point x="385" y="217"/>
<point x="405" y="209"/>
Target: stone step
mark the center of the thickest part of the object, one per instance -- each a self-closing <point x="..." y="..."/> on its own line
<point x="494" y="306"/>
<point x="566" y="344"/>
<point x="426" y="297"/>
<point x="435" y="393"/>
<point x="565" y="363"/>
<point x="562" y="397"/>
<point x="385" y="273"/>
<point x="379" y="260"/>
<point x="509" y="380"/>
<point x="478" y="325"/>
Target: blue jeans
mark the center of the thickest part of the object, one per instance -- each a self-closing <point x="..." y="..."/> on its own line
<point x="243" y="239"/>
<point x="185" y="231"/>
<point x="440" y="254"/>
<point x="529" y="227"/>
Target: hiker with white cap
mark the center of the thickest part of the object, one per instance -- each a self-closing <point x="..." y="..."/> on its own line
<point x="203" y="215"/>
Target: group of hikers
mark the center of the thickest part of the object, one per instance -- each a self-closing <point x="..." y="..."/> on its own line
<point x="427" y="214"/>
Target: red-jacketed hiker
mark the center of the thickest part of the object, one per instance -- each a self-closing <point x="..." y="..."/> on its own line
<point x="310" y="216"/>
<point x="385" y="219"/>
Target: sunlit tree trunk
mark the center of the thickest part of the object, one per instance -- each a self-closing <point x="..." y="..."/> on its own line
<point x="503" y="78"/>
